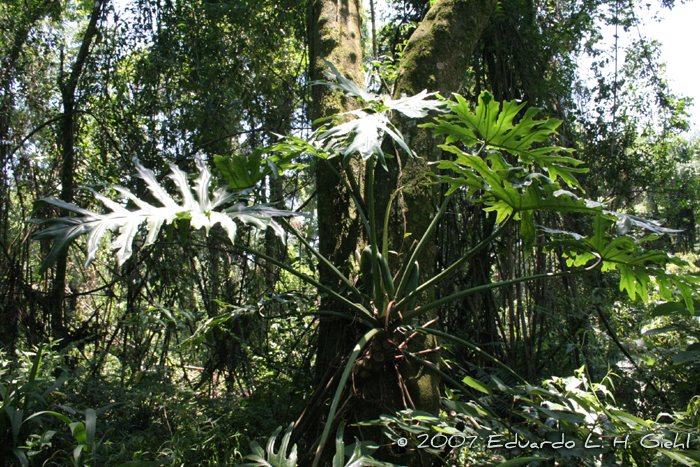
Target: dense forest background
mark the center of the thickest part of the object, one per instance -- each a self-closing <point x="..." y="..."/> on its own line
<point x="203" y="341"/>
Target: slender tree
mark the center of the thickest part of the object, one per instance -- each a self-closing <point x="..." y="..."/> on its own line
<point x="68" y="85"/>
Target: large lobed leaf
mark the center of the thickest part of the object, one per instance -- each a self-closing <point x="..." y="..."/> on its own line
<point x="198" y="205"/>
<point x="243" y="173"/>
<point x="364" y="134"/>
<point x="636" y="267"/>
<point x="491" y="125"/>
<point x="270" y="458"/>
<point x="508" y="189"/>
<point x="519" y="190"/>
<point x="416" y="106"/>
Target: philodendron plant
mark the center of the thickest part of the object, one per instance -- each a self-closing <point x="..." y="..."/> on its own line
<point x="506" y="167"/>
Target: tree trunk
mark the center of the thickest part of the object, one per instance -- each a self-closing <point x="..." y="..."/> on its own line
<point x="334" y="35"/>
<point x="436" y="58"/>
<point x="67" y="140"/>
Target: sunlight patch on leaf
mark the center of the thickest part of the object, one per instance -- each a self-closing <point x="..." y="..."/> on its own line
<point x="364" y="134"/>
<point x="198" y="206"/>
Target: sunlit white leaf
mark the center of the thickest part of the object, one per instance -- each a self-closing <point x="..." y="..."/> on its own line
<point x="341" y="83"/>
<point x="197" y="206"/>
<point x="363" y="136"/>
<point x="270" y="458"/>
<point x="416" y="106"/>
<point x="627" y="221"/>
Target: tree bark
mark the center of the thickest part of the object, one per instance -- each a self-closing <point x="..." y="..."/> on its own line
<point x="334" y="35"/>
<point x="436" y="59"/>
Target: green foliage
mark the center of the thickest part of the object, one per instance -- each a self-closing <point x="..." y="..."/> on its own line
<point x="569" y="420"/>
<point x="160" y="421"/>
<point x="247" y="171"/>
<point x="357" y="458"/>
<point x="517" y="190"/>
<point x="500" y="171"/>
<point x="84" y="432"/>
<point x="24" y="395"/>
<point x="270" y="458"/>
<point x="512" y="188"/>
<point x="25" y="429"/>
<point x="169" y="80"/>
<point x="243" y="175"/>
<point x="586" y="412"/>
<point x="491" y="125"/>
<point x="635" y="266"/>
<point x="677" y="333"/>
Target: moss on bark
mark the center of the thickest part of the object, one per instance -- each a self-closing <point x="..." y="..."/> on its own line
<point x="436" y="58"/>
<point x="334" y="35"/>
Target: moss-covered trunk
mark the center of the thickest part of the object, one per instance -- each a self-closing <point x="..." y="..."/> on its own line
<point x="435" y="59"/>
<point x="334" y="34"/>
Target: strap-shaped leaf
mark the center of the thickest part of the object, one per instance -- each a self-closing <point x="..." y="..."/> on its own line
<point x="357" y="458"/>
